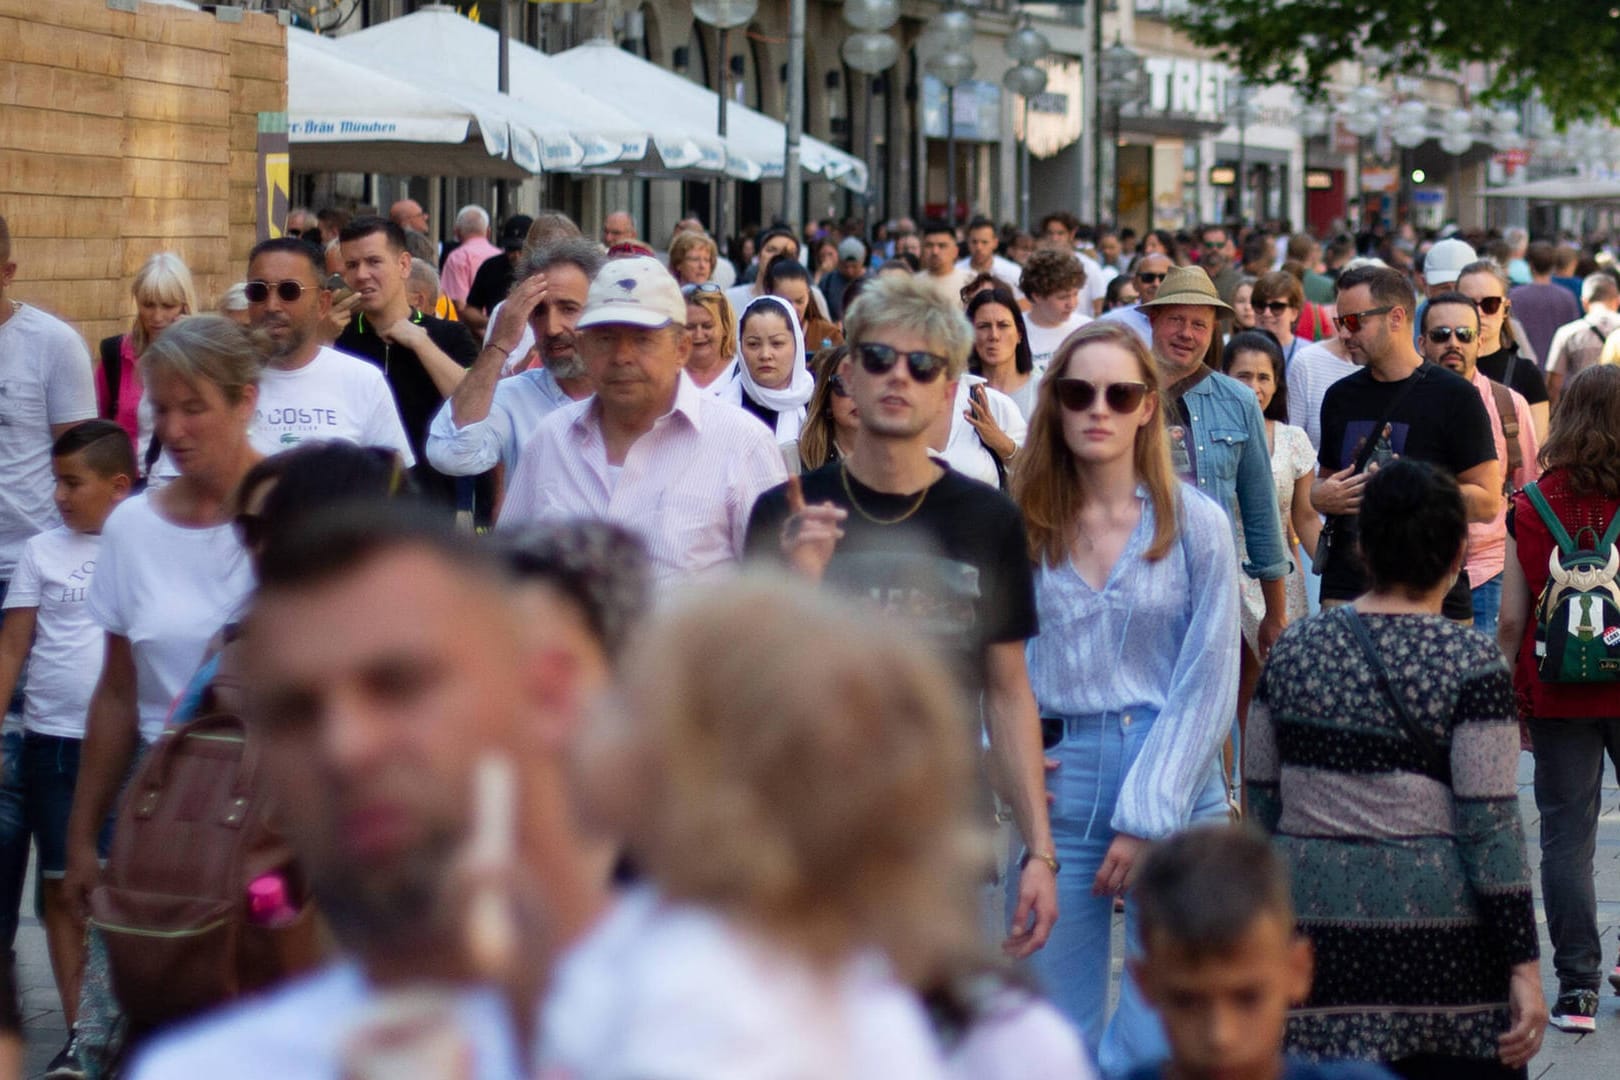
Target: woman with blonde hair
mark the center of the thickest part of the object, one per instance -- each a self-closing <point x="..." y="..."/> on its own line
<point x="1135" y="670"/>
<point x="692" y="256"/>
<point x="164" y="293"/>
<point x="809" y="841"/>
<point x="712" y="327"/>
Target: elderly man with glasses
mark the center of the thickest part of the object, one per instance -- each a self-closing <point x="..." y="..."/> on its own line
<point x="1149" y="275"/>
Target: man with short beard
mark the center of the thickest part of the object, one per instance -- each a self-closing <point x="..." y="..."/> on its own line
<point x="488" y="419"/>
<point x="309" y="390"/>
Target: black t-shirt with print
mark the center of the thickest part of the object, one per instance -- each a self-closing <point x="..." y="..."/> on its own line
<point x="1442" y="421"/>
<point x="958" y="567"/>
<point x="1527" y="377"/>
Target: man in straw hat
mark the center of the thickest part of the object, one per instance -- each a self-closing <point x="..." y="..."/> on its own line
<point x="1218" y="437"/>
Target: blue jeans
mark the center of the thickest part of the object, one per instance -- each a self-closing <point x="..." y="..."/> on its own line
<point x="13" y="834"/>
<point x="1487" y="603"/>
<point x="1094" y="757"/>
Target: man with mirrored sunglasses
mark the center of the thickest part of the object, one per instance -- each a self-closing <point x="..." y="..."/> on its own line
<point x="1149" y="277"/>
<point x="1449" y="337"/>
<point x="894" y="526"/>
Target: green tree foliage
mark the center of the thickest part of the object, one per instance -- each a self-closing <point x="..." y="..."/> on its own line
<point x="1568" y="50"/>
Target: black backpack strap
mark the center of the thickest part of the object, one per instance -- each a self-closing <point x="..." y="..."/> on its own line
<point x="1434" y="759"/>
<point x="112" y="372"/>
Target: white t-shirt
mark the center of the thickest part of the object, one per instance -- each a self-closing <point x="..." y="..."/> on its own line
<point x="168" y="590"/>
<point x="298" y="1031"/>
<point x="964" y="450"/>
<point x="675" y="992"/>
<point x="1018" y="1036"/>
<point x="53" y="574"/>
<point x="334" y="396"/>
<point x="1044" y="341"/>
<point x="44" y="380"/>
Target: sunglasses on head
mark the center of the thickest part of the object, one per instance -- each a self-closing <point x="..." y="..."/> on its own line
<point x="689" y="291"/>
<point x="257" y="292"/>
<point x="878" y="359"/>
<point x="1276" y="307"/>
<point x="1352" y="322"/>
<point x="1490" y="305"/>
<point x="1442" y="334"/>
<point x="1149" y="279"/>
<point x="1078" y="395"/>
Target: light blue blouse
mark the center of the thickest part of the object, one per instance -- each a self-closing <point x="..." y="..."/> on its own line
<point x="1160" y="635"/>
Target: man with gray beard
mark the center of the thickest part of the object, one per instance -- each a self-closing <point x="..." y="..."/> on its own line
<point x="310" y="390"/>
<point x="489" y="418"/>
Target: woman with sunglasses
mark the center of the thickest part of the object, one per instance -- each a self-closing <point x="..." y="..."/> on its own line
<point x="832" y="421"/>
<point x="1278" y="298"/>
<point x="771" y="381"/>
<point x="712" y="327"/>
<point x="1502" y="354"/>
<point x="1136" y="667"/>
<point x="172" y="570"/>
<point x="163" y="293"/>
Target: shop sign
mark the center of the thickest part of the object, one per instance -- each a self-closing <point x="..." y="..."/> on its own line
<point x="977" y="114"/>
<point x="1184" y="89"/>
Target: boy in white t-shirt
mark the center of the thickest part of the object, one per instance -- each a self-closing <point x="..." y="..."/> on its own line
<point x="48" y="624"/>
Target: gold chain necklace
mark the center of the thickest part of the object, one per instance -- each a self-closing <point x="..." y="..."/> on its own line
<point x="843" y="474"/>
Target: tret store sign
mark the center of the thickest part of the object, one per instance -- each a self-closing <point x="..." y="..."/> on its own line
<point x="1180" y="88"/>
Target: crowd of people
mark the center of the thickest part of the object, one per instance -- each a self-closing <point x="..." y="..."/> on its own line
<point x="786" y="660"/>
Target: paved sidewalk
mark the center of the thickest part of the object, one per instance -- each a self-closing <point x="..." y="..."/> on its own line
<point x="1563" y="1057"/>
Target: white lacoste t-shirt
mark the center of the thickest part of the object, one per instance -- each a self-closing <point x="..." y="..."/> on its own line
<point x="334" y="396"/>
<point x="53" y="575"/>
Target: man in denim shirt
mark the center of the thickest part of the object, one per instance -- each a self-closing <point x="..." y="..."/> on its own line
<point x="1217" y="435"/>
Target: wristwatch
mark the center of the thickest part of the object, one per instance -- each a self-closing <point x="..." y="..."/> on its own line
<point x="1050" y="860"/>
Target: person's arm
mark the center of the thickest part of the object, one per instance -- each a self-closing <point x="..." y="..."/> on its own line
<point x="1262" y="769"/>
<point x="1262" y="528"/>
<point x="1481" y="489"/>
<point x="445" y="372"/>
<point x="1338" y="493"/>
<point x="471" y="400"/>
<point x="1514" y="616"/>
<point x="1305" y="521"/>
<point x="112" y="729"/>
<point x="473" y="318"/>
<point x="1016" y="759"/>
<point x="16" y="638"/>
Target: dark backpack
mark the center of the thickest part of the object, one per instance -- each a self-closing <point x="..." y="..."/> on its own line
<point x="1578" y="612"/>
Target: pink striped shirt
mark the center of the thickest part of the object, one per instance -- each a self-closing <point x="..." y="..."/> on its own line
<point x="686" y="487"/>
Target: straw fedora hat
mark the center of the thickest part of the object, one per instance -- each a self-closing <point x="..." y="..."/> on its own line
<point x="1187" y="285"/>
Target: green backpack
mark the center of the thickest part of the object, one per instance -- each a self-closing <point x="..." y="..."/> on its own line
<point x="1578" y="614"/>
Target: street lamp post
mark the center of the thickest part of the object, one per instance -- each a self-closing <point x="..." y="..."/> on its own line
<point x="945" y="45"/>
<point x="1121" y="70"/>
<point x="1240" y="106"/>
<point x="1311" y="122"/>
<point x="723" y="15"/>
<point x="1027" y="46"/>
<point x="871" y="51"/>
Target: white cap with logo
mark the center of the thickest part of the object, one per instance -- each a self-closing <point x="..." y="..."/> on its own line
<point x="1445" y="260"/>
<point x="637" y="291"/>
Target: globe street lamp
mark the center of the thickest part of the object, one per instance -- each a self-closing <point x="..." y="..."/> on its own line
<point x="870" y="51"/>
<point x="1027" y="46"/>
<point x="723" y="15"/>
<point x="1240" y="107"/>
<point x="1121" y="84"/>
<point x="944" y="45"/>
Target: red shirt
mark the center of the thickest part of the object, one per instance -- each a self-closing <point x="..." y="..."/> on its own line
<point x="1546" y="701"/>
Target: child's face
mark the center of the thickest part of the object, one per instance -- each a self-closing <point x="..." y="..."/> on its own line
<point x="84" y="498"/>
<point x="1225" y="1015"/>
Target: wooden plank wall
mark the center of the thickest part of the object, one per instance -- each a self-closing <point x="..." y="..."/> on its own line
<point x="124" y="134"/>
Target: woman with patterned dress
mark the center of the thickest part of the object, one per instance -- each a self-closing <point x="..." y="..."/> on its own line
<point x="1382" y="753"/>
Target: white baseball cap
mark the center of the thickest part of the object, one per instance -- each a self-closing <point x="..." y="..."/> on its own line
<point x="1444" y="262"/>
<point x="637" y="291"/>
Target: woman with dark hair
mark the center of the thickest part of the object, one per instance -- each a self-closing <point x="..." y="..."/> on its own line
<point x="1572" y="724"/>
<point x="771" y="382"/>
<point x="1120" y="292"/>
<point x="788" y="279"/>
<point x="1161" y="242"/>
<point x="1001" y="347"/>
<point x="1382" y="751"/>
<point x="1254" y="359"/>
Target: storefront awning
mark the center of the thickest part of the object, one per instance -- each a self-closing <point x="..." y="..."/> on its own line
<point x="1560" y="189"/>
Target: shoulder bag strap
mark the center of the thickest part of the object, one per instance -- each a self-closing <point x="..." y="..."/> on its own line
<point x="1433" y="757"/>
<point x="1544" y="510"/>
<point x="1508" y="418"/>
<point x="112" y="371"/>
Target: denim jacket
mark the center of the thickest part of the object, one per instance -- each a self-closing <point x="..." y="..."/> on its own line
<point x="1234" y="468"/>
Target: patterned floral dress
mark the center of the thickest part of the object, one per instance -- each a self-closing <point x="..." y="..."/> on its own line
<point x="1291" y="458"/>
<point x="1412" y="884"/>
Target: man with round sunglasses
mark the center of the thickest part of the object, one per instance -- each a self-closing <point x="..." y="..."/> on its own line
<point x="1217" y="435"/>
<point x="310" y="391"/>
<point x="896" y="527"/>
<point x="1449" y="337"/>
<point x="1393" y="406"/>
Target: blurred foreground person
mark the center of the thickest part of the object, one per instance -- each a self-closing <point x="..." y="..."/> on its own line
<point x="809" y="842"/>
<point x="372" y="731"/>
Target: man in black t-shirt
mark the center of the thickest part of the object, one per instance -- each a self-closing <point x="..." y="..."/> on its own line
<point x="1421" y="411"/>
<point x="423" y="358"/>
<point x="894" y="526"/>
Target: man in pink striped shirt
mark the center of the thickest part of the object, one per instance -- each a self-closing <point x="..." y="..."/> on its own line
<point x="650" y="451"/>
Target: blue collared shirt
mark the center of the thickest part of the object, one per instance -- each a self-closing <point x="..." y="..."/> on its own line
<point x="1233" y="467"/>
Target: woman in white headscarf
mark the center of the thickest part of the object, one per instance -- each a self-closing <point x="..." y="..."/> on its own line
<point x="772" y="381"/>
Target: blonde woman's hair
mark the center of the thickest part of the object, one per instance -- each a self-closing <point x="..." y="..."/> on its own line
<point x="683" y="244"/>
<point x="911" y="303"/>
<point x="725" y="320"/>
<point x="207" y="348"/>
<point x="1048" y="485"/>
<point x="823" y="799"/>
<point x="165" y="279"/>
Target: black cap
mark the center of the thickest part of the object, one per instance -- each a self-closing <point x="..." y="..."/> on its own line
<point x="515" y="231"/>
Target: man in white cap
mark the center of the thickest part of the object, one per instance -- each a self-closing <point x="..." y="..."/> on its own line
<point x="650" y="451"/>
